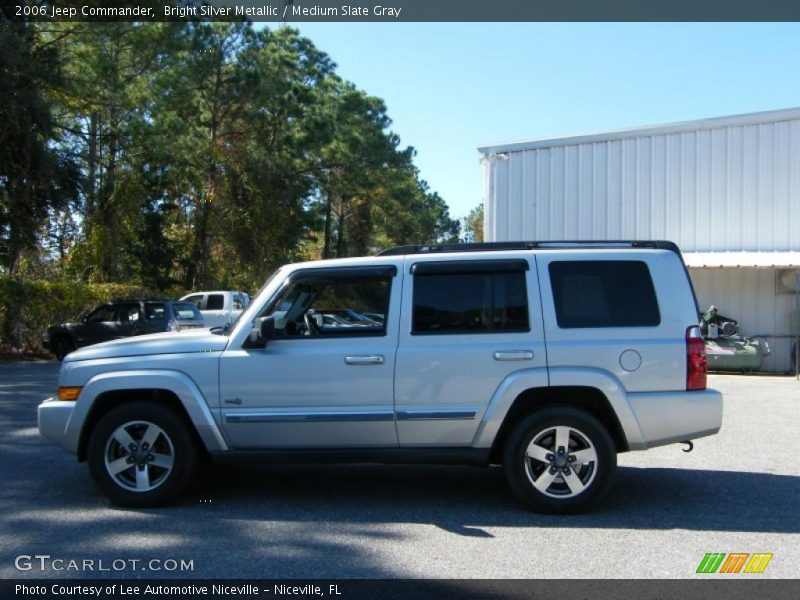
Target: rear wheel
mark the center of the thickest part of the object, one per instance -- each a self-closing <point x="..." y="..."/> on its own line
<point x="141" y="454"/>
<point x="559" y="460"/>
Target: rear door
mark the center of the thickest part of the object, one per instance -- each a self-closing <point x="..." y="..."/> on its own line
<point x="466" y="326"/>
<point x="129" y="319"/>
<point x="155" y="317"/>
<point x="214" y="310"/>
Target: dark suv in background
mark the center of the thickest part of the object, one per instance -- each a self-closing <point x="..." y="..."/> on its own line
<point x="119" y="319"/>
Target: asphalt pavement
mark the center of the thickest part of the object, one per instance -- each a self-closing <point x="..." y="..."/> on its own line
<point x="738" y="491"/>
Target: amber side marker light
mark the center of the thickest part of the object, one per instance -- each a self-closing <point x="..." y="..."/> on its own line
<point x="69" y="393"/>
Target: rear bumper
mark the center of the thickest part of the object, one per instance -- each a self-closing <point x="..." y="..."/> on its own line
<point x="669" y="417"/>
<point x="53" y="415"/>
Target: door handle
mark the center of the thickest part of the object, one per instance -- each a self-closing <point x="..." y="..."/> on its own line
<point x="364" y="359"/>
<point x="513" y="355"/>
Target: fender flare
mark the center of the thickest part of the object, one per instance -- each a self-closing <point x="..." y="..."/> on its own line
<point x="176" y="382"/>
<point x="519" y="381"/>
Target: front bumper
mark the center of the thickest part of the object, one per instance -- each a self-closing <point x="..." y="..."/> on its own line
<point x="53" y="415"/>
<point x="669" y="417"/>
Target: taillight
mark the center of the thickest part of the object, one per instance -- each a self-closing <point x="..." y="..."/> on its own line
<point x="695" y="359"/>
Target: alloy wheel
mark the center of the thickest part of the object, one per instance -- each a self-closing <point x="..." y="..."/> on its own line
<point x="139" y="456"/>
<point x="561" y="461"/>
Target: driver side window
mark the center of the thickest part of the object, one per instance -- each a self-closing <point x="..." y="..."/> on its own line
<point x="331" y="306"/>
<point x="104" y="314"/>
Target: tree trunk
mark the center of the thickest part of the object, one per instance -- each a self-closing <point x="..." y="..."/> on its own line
<point x="196" y="269"/>
<point x="91" y="160"/>
<point x="326" y="248"/>
<point x="108" y="260"/>
<point x="341" y="245"/>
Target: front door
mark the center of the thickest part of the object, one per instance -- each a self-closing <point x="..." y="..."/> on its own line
<point x="100" y="325"/>
<point x="320" y="382"/>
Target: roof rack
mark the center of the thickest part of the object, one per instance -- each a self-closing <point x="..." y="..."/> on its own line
<point x="548" y="245"/>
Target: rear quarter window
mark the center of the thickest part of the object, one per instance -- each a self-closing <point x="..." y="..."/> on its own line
<point x="603" y="293"/>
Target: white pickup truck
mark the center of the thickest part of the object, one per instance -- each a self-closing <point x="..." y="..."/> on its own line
<point x="219" y="308"/>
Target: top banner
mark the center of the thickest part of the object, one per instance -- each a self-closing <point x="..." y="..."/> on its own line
<point x="299" y="11"/>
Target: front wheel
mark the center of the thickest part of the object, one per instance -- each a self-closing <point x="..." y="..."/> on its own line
<point x="559" y="460"/>
<point x="141" y="454"/>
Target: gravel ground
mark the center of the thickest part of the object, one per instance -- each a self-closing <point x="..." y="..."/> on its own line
<point x="738" y="491"/>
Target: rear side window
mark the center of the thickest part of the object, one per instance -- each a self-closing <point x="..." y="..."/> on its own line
<point x="484" y="302"/>
<point x="599" y="293"/>
<point x="215" y="302"/>
<point x="128" y="313"/>
<point x="186" y="311"/>
<point x="154" y="311"/>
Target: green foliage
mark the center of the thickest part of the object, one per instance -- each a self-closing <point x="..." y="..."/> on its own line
<point x="34" y="180"/>
<point x="29" y="306"/>
<point x="473" y="225"/>
<point x="187" y="156"/>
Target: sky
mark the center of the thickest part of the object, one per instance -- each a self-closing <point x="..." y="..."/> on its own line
<point x="450" y="87"/>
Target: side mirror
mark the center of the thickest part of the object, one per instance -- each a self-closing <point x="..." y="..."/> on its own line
<point x="263" y="331"/>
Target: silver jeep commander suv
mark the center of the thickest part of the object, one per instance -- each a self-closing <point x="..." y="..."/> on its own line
<point x="547" y="358"/>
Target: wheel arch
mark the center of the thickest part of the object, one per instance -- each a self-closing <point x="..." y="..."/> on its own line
<point x="594" y="390"/>
<point x="108" y="401"/>
<point x="589" y="399"/>
<point x="174" y="389"/>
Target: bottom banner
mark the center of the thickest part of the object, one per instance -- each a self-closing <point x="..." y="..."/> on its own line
<point x="390" y="589"/>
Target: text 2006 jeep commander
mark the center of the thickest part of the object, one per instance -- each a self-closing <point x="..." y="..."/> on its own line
<point x="548" y="358"/>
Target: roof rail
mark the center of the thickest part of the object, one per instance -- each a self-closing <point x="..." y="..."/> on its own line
<point x="137" y="299"/>
<point x="548" y="245"/>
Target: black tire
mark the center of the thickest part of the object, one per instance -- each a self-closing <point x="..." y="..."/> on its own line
<point x="563" y="494"/>
<point x="175" y="441"/>
<point x="62" y="346"/>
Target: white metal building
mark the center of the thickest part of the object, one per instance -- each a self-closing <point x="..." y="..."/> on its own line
<point x="726" y="190"/>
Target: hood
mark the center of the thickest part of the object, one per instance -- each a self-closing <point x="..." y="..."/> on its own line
<point x="180" y="342"/>
<point x="63" y="326"/>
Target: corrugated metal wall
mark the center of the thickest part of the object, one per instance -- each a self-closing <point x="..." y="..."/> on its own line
<point x="730" y="188"/>
<point x="729" y="184"/>
<point x="748" y="295"/>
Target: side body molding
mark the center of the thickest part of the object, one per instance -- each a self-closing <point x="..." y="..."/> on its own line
<point x="179" y="383"/>
<point x="519" y="381"/>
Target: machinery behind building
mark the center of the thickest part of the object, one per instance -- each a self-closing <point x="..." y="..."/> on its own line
<point x="726" y="349"/>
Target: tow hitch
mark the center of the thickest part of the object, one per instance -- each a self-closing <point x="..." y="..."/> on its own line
<point x="689" y="446"/>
